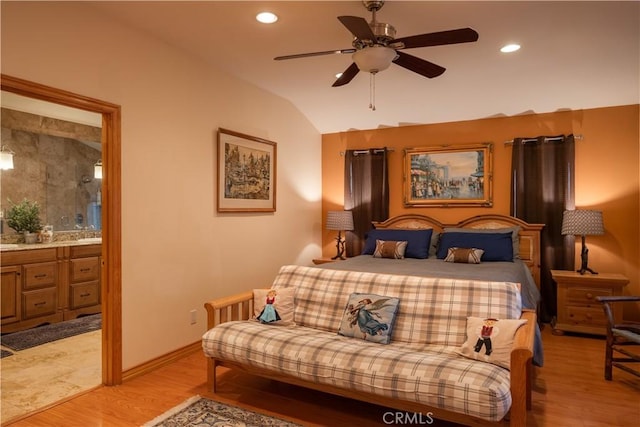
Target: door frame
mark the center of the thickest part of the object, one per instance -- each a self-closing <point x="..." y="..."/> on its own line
<point x="111" y="271"/>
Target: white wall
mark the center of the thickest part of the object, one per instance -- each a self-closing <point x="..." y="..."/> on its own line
<point x="177" y="250"/>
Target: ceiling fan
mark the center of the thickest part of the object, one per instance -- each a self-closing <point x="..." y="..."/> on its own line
<point x="375" y="46"/>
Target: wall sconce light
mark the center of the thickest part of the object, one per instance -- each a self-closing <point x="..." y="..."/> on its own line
<point x="583" y="223"/>
<point x="97" y="170"/>
<point x="341" y="221"/>
<point x="6" y="158"/>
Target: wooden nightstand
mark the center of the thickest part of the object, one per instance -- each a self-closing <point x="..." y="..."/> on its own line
<point x="578" y="310"/>
<point x="319" y="261"/>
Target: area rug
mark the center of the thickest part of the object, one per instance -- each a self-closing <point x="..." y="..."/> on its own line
<point x="5" y="353"/>
<point x="201" y="412"/>
<point x="48" y="333"/>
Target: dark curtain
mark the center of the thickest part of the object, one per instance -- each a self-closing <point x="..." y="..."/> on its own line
<point x="542" y="188"/>
<point x="366" y="193"/>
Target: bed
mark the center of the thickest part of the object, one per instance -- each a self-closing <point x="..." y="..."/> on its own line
<point x="522" y="267"/>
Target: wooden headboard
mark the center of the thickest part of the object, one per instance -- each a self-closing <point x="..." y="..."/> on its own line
<point x="410" y="222"/>
<point x="529" y="233"/>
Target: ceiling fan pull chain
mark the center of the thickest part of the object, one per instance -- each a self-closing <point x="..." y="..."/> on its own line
<point x="372" y="91"/>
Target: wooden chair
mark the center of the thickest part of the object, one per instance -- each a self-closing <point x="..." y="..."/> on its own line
<point x="619" y="337"/>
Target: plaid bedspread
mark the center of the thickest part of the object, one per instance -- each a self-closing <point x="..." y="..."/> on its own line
<point x="420" y="364"/>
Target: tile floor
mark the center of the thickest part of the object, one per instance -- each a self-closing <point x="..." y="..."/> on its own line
<point x="37" y="377"/>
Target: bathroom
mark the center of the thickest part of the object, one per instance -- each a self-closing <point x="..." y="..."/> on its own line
<point x="56" y="164"/>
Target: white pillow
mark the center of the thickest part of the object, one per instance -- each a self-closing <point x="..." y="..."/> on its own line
<point x="490" y="340"/>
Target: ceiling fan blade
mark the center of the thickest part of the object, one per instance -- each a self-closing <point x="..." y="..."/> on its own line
<point x="304" y="55"/>
<point x="358" y="26"/>
<point x="461" y="35"/>
<point x="418" y="65"/>
<point x="347" y="75"/>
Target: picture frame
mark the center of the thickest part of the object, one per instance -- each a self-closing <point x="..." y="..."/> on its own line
<point x="246" y="173"/>
<point x="449" y="176"/>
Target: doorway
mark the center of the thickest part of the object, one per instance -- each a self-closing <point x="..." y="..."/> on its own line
<point x="111" y="276"/>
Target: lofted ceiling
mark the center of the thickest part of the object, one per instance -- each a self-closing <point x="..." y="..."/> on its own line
<point x="574" y="55"/>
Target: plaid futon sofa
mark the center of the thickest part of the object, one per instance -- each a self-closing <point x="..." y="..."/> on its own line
<point x="419" y="370"/>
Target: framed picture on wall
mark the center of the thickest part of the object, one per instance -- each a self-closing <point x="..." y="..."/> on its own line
<point x="448" y="176"/>
<point x="246" y="173"/>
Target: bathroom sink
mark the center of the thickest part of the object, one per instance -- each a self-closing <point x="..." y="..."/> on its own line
<point x="90" y="240"/>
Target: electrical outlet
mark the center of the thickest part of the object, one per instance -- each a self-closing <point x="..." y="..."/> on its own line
<point x="194" y="317"/>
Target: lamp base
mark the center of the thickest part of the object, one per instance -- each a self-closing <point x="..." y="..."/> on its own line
<point x="339" y="247"/>
<point x="584" y="256"/>
<point x="585" y="269"/>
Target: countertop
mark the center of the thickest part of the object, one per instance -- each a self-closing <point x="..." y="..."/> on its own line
<point x="10" y="247"/>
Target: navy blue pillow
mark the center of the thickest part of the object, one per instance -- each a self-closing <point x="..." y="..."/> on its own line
<point x="418" y="241"/>
<point x="496" y="246"/>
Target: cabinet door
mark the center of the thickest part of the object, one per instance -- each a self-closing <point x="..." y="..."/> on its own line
<point x="10" y="294"/>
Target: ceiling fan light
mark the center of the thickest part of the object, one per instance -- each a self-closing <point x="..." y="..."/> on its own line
<point x="374" y="58"/>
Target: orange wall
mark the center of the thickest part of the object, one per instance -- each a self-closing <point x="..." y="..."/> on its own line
<point x="607" y="173"/>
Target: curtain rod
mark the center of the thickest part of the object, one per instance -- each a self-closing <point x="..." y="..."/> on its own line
<point x="548" y="139"/>
<point x="375" y="151"/>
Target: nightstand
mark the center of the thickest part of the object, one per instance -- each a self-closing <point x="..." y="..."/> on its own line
<point x="319" y="261"/>
<point x="578" y="309"/>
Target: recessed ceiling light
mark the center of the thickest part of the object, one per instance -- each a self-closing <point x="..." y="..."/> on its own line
<point x="266" y="17"/>
<point x="510" y="48"/>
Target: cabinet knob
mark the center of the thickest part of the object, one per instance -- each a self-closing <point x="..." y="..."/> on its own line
<point x="589" y="295"/>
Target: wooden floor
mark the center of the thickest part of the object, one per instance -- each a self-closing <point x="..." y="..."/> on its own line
<point x="569" y="391"/>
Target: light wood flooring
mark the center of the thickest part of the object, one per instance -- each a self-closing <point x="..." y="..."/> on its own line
<point x="569" y="391"/>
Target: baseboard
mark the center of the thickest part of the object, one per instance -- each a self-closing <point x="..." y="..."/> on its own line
<point x="161" y="361"/>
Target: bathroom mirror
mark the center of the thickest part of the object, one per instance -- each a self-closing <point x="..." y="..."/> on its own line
<point x="55" y="150"/>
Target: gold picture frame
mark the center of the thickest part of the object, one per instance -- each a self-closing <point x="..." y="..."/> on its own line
<point x="449" y="176"/>
<point x="246" y="173"/>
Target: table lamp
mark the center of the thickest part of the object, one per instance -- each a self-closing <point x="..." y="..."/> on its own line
<point x="341" y="221"/>
<point x="583" y="223"/>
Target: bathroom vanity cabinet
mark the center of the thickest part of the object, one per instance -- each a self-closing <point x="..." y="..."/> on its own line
<point x="84" y="281"/>
<point x="49" y="284"/>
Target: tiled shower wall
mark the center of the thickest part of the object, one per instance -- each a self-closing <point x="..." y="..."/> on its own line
<point x="53" y="165"/>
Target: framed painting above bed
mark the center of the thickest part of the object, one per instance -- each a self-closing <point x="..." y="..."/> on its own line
<point x="449" y="176"/>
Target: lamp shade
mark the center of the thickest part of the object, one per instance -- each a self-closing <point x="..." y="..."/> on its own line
<point x="582" y="223"/>
<point x="374" y="58"/>
<point x="339" y="220"/>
